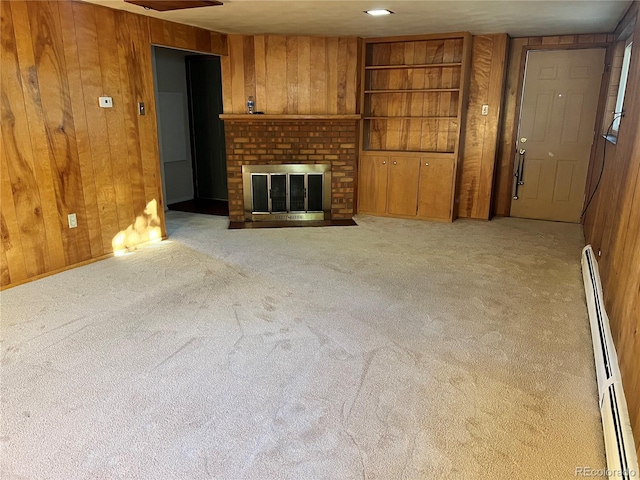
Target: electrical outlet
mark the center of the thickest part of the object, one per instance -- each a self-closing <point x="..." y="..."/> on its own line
<point x="105" y="102"/>
<point x="73" y="220"/>
<point x="485" y="110"/>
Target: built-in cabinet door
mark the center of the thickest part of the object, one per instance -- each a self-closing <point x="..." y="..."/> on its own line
<point x="372" y="184"/>
<point x="436" y="187"/>
<point x="402" y="193"/>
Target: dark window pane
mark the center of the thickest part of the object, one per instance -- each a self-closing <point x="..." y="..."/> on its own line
<point x="315" y="193"/>
<point x="296" y="192"/>
<point x="260" y="194"/>
<point x="278" y="193"/>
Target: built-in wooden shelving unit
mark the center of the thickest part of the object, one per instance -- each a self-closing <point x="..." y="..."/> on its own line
<point x="412" y="98"/>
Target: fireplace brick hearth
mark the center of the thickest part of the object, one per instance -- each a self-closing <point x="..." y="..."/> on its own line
<point x="293" y="141"/>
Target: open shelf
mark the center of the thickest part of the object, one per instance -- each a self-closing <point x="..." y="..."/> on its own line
<point x="424" y="65"/>
<point x="414" y="90"/>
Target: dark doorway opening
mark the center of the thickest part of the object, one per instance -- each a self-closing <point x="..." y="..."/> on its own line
<point x="191" y="134"/>
<point x="204" y="79"/>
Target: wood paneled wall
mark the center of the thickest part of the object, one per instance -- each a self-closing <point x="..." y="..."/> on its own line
<point x="61" y="153"/>
<point x="186" y="37"/>
<point x="291" y="75"/>
<point x="612" y="227"/>
<point x="488" y="69"/>
<point x="506" y="153"/>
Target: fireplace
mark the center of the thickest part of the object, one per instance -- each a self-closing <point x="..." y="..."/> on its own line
<point x="281" y="147"/>
<point x="286" y="192"/>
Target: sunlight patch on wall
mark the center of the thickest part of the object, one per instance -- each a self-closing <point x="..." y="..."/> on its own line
<point x="146" y="228"/>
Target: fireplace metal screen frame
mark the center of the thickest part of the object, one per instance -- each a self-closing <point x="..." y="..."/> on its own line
<point x="324" y="169"/>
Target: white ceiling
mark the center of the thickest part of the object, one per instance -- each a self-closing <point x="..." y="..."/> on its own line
<point x="518" y="18"/>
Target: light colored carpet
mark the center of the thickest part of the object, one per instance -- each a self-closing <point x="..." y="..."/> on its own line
<point x="397" y="349"/>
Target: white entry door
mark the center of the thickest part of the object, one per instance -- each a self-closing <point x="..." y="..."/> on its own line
<point x="556" y="131"/>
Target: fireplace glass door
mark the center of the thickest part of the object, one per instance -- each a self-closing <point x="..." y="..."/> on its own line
<point x="289" y="192"/>
<point x="286" y="192"/>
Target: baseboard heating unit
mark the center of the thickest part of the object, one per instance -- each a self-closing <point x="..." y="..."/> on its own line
<point x="622" y="461"/>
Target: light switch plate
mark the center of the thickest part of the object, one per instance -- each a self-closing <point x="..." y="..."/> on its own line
<point x="73" y="220"/>
<point x="105" y="102"/>
<point x="485" y="110"/>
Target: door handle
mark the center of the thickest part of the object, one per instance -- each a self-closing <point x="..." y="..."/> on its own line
<point x="519" y="170"/>
<point x="522" y="156"/>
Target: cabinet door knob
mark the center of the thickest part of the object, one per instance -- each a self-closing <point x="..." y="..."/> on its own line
<point x="426" y="164"/>
<point x="395" y="163"/>
<point x="384" y="163"/>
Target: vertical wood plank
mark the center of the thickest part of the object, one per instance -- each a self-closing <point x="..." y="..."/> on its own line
<point x="60" y="130"/>
<point x="132" y="88"/>
<point x="351" y="79"/>
<point x="482" y="207"/>
<point x="341" y="87"/>
<point x="249" y="68"/>
<point x="503" y="186"/>
<point x="17" y="146"/>
<point x="434" y="51"/>
<point x="318" y="79"/>
<point x="5" y="275"/>
<point x="331" y="75"/>
<point x="395" y="80"/>
<point x="476" y="124"/>
<point x="25" y="40"/>
<point x="90" y="73"/>
<point x="304" y="75"/>
<point x="236" y="56"/>
<point x="227" y="95"/>
<point x="392" y="136"/>
<point x="291" y="58"/>
<point x="429" y="141"/>
<point x="110" y="71"/>
<point x="14" y="269"/>
<point x="276" y="54"/>
<point x="261" y="72"/>
<point x="92" y="216"/>
<point x="147" y="124"/>
<point x="417" y="99"/>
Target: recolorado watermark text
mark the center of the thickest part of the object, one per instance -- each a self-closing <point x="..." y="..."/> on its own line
<point x="589" y="472"/>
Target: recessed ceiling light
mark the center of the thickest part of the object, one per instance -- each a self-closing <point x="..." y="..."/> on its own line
<point x="378" y="13"/>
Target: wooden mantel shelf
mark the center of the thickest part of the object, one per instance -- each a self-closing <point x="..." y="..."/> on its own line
<point x="245" y="117"/>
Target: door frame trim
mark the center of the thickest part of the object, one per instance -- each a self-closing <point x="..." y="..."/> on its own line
<point x="604" y="85"/>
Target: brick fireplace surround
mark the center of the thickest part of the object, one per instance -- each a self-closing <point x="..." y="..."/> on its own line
<point x="282" y="139"/>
